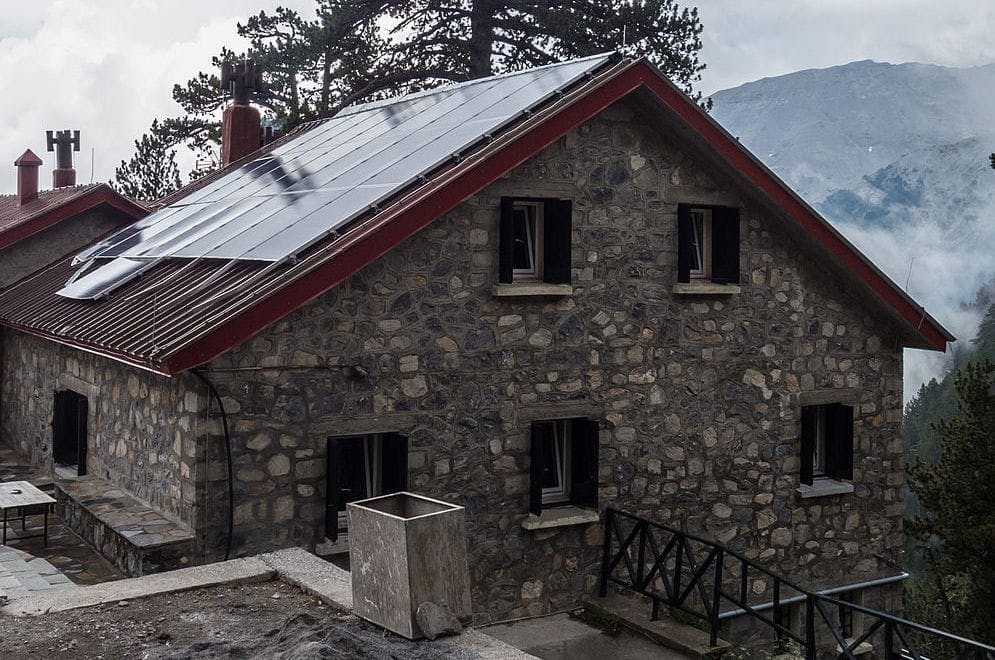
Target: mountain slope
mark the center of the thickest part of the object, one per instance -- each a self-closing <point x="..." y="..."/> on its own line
<point x="896" y="157"/>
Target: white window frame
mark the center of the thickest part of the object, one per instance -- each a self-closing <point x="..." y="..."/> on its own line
<point x="534" y="273"/>
<point x="701" y="242"/>
<point x="562" y="442"/>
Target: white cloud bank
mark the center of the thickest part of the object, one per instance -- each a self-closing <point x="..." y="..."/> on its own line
<point x="106" y="68"/>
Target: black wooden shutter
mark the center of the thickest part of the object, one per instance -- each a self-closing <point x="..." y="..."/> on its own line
<point x="506" y="241"/>
<point x="839" y="441"/>
<point x="394" y="469"/>
<point x="540" y="436"/>
<point x="61" y="422"/>
<point x="82" y="410"/>
<point x="584" y="463"/>
<point x="333" y="490"/>
<point x="685" y="232"/>
<point x="725" y="245"/>
<point x="809" y="418"/>
<point x="556" y="243"/>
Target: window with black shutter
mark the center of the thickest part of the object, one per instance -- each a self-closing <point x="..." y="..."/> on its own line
<point x="534" y="240"/>
<point x="707" y="244"/>
<point x="826" y="442"/>
<point x="360" y="467"/>
<point x="563" y="467"/>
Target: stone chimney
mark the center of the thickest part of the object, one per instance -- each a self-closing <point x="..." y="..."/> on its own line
<point x="27" y="177"/>
<point x="64" y="143"/>
<point x="240" y="125"/>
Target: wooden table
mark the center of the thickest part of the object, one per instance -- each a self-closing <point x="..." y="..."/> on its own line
<point x="23" y="498"/>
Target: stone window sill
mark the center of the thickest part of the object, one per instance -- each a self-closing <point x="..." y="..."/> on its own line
<point x="705" y="289"/>
<point x="563" y="516"/>
<point x="824" y="488"/>
<point x="532" y="289"/>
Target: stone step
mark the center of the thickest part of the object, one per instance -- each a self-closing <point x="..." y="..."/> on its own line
<point x="635" y="613"/>
<point x="130" y="534"/>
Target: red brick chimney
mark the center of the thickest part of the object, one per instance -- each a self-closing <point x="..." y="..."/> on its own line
<point x="27" y="177"/>
<point x="64" y="143"/>
<point x="240" y="132"/>
<point x="240" y="124"/>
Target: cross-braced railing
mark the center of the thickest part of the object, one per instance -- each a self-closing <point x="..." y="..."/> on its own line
<point x="700" y="578"/>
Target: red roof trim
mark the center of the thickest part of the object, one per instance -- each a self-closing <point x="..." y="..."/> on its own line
<point x="379" y="240"/>
<point x="102" y="194"/>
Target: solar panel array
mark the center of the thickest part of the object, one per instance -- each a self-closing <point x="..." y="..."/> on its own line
<point x="279" y="204"/>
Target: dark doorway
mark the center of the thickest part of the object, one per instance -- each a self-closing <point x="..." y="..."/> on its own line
<point x="69" y="430"/>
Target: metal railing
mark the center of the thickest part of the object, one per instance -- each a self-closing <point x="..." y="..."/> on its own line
<point x="698" y="577"/>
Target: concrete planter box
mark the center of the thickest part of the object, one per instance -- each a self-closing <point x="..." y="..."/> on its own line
<point x="405" y="550"/>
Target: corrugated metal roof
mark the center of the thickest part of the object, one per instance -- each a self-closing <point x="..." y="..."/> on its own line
<point x="182" y="313"/>
<point x="177" y="301"/>
<point x="12" y="215"/>
<point x="280" y="203"/>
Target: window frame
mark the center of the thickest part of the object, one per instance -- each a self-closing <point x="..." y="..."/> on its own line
<point x="535" y="225"/>
<point x="553" y="241"/>
<point x="562" y="444"/>
<point x="375" y="474"/>
<point x="719" y="254"/>
<point x="826" y="441"/>
<point x="702" y="242"/>
<point x="578" y="468"/>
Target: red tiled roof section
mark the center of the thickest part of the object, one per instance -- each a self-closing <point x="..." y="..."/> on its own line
<point x="54" y="206"/>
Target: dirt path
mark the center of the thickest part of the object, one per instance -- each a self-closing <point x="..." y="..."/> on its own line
<point x="268" y="620"/>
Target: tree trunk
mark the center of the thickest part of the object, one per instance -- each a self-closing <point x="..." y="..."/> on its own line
<point x="481" y="38"/>
<point x="326" y="84"/>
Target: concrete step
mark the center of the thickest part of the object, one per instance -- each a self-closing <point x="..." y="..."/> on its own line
<point x="635" y="613"/>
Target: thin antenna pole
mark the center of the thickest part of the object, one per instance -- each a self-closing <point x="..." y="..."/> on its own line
<point x="91" y="163"/>
<point x="908" y="278"/>
<point x="623" y="35"/>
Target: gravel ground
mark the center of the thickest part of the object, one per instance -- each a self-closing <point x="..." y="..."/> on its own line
<point x="267" y="620"/>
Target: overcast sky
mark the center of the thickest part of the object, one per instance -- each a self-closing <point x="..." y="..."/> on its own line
<point x="106" y="67"/>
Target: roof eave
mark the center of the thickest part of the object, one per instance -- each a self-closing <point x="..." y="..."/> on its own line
<point x="100" y="194"/>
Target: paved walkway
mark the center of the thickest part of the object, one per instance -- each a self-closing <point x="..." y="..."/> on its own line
<point x="22" y="575"/>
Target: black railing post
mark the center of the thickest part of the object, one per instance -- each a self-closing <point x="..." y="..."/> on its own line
<point x="641" y="560"/>
<point x="605" y="551"/>
<point x="744" y="583"/>
<point x="777" y="611"/>
<point x="678" y="558"/>
<point x="889" y="641"/>
<point x="810" y="627"/>
<point x="713" y="618"/>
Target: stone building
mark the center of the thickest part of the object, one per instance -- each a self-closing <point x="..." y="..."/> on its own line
<point x="535" y="296"/>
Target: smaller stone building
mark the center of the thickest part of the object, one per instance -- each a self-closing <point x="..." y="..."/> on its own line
<point x="535" y="296"/>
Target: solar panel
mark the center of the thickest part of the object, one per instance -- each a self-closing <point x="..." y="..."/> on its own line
<point x="279" y="204"/>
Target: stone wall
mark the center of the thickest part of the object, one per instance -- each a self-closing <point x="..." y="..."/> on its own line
<point x="143" y="429"/>
<point x="65" y="238"/>
<point x="698" y="395"/>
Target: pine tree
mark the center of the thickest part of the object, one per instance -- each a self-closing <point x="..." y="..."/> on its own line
<point x="957" y="522"/>
<point x="152" y="172"/>
<point x="367" y="49"/>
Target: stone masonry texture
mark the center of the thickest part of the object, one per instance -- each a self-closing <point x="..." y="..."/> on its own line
<point x="698" y="396"/>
